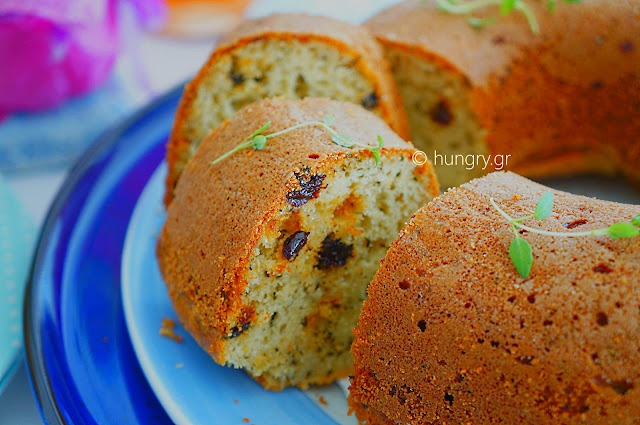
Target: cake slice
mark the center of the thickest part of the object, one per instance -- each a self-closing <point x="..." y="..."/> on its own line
<point x="452" y="333"/>
<point x="267" y="253"/>
<point x="289" y="55"/>
<point x="560" y="102"/>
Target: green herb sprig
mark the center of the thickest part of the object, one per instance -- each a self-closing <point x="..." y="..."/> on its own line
<point x="258" y="141"/>
<point x="460" y="7"/>
<point x="520" y="250"/>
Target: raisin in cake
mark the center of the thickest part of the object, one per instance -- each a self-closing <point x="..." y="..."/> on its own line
<point x="289" y="55"/>
<point x="267" y="254"/>
<point x="564" y="101"/>
<point x="452" y="334"/>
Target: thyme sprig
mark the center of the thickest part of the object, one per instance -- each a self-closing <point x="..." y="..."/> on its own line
<point x="460" y="7"/>
<point x="258" y="141"/>
<point x="520" y="250"/>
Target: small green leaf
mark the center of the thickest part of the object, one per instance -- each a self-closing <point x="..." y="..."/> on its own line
<point x="622" y="230"/>
<point x="258" y="131"/>
<point x="520" y="254"/>
<point x="545" y="205"/>
<point x="636" y="221"/>
<point x="480" y="22"/>
<point x="551" y="5"/>
<point x="329" y="120"/>
<point x="376" y="156"/>
<point x="376" y="151"/>
<point x="507" y="6"/>
<point x="259" y="142"/>
<point x="342" y="140"/>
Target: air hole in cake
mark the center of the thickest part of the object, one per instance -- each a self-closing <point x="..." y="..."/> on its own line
<point x="531" y="298"/>
<point x="301" y="87"/>
<point x="620" y="386"/>
<point x="236" y="77"/>
<point x="602" y="319"/>
<point x="448" y="398"/>
<point x="602" y="268"/>
<point x="422" y="324"/>
<point x="350" y="209"/>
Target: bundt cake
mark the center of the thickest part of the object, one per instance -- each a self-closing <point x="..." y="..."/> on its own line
<point x="289" y="55"/>
<point x="563" y="101"/>
<point x="452" y="334"/>
<point x="267" y="251"/>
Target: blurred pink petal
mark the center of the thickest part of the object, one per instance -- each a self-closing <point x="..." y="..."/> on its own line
<point x="56" y="49"/>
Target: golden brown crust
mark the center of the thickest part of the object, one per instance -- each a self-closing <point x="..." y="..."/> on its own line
<point x="572" y="90"/>
<point x="353" y="40"/>
<point x="220" y="211"/>
<point x="452" y="334"/>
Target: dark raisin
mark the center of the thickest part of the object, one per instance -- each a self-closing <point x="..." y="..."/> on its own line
<point x="460" y="378"/>
<point x="602" y="268"/>
<point x="235" y="76"/>
<point x="309" y="189"/>
<point x="602" y="319"/>
<point x="422" y="324"/>
<point x="236" y="331"/>
<point x="370" y="101"/>
<point x="626" y="47"/>
<point x="293" y="244"/>
<point x="441" y="113"/>
<point x="531" y="298"/>
<point x="449" y="398"/>
<point x="404" y="284"/>
<point x="575" y="224"/>
<point x="333" y="253"/>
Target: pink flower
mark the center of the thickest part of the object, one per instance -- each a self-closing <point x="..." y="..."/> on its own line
<point x="51" y="50"/>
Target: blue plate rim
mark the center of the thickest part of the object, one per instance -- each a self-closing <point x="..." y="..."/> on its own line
<point x="36" y="367"/>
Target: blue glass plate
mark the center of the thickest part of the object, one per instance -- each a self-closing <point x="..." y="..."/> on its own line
<point x="80" y="358"/>
<point x="191" y="387"/>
